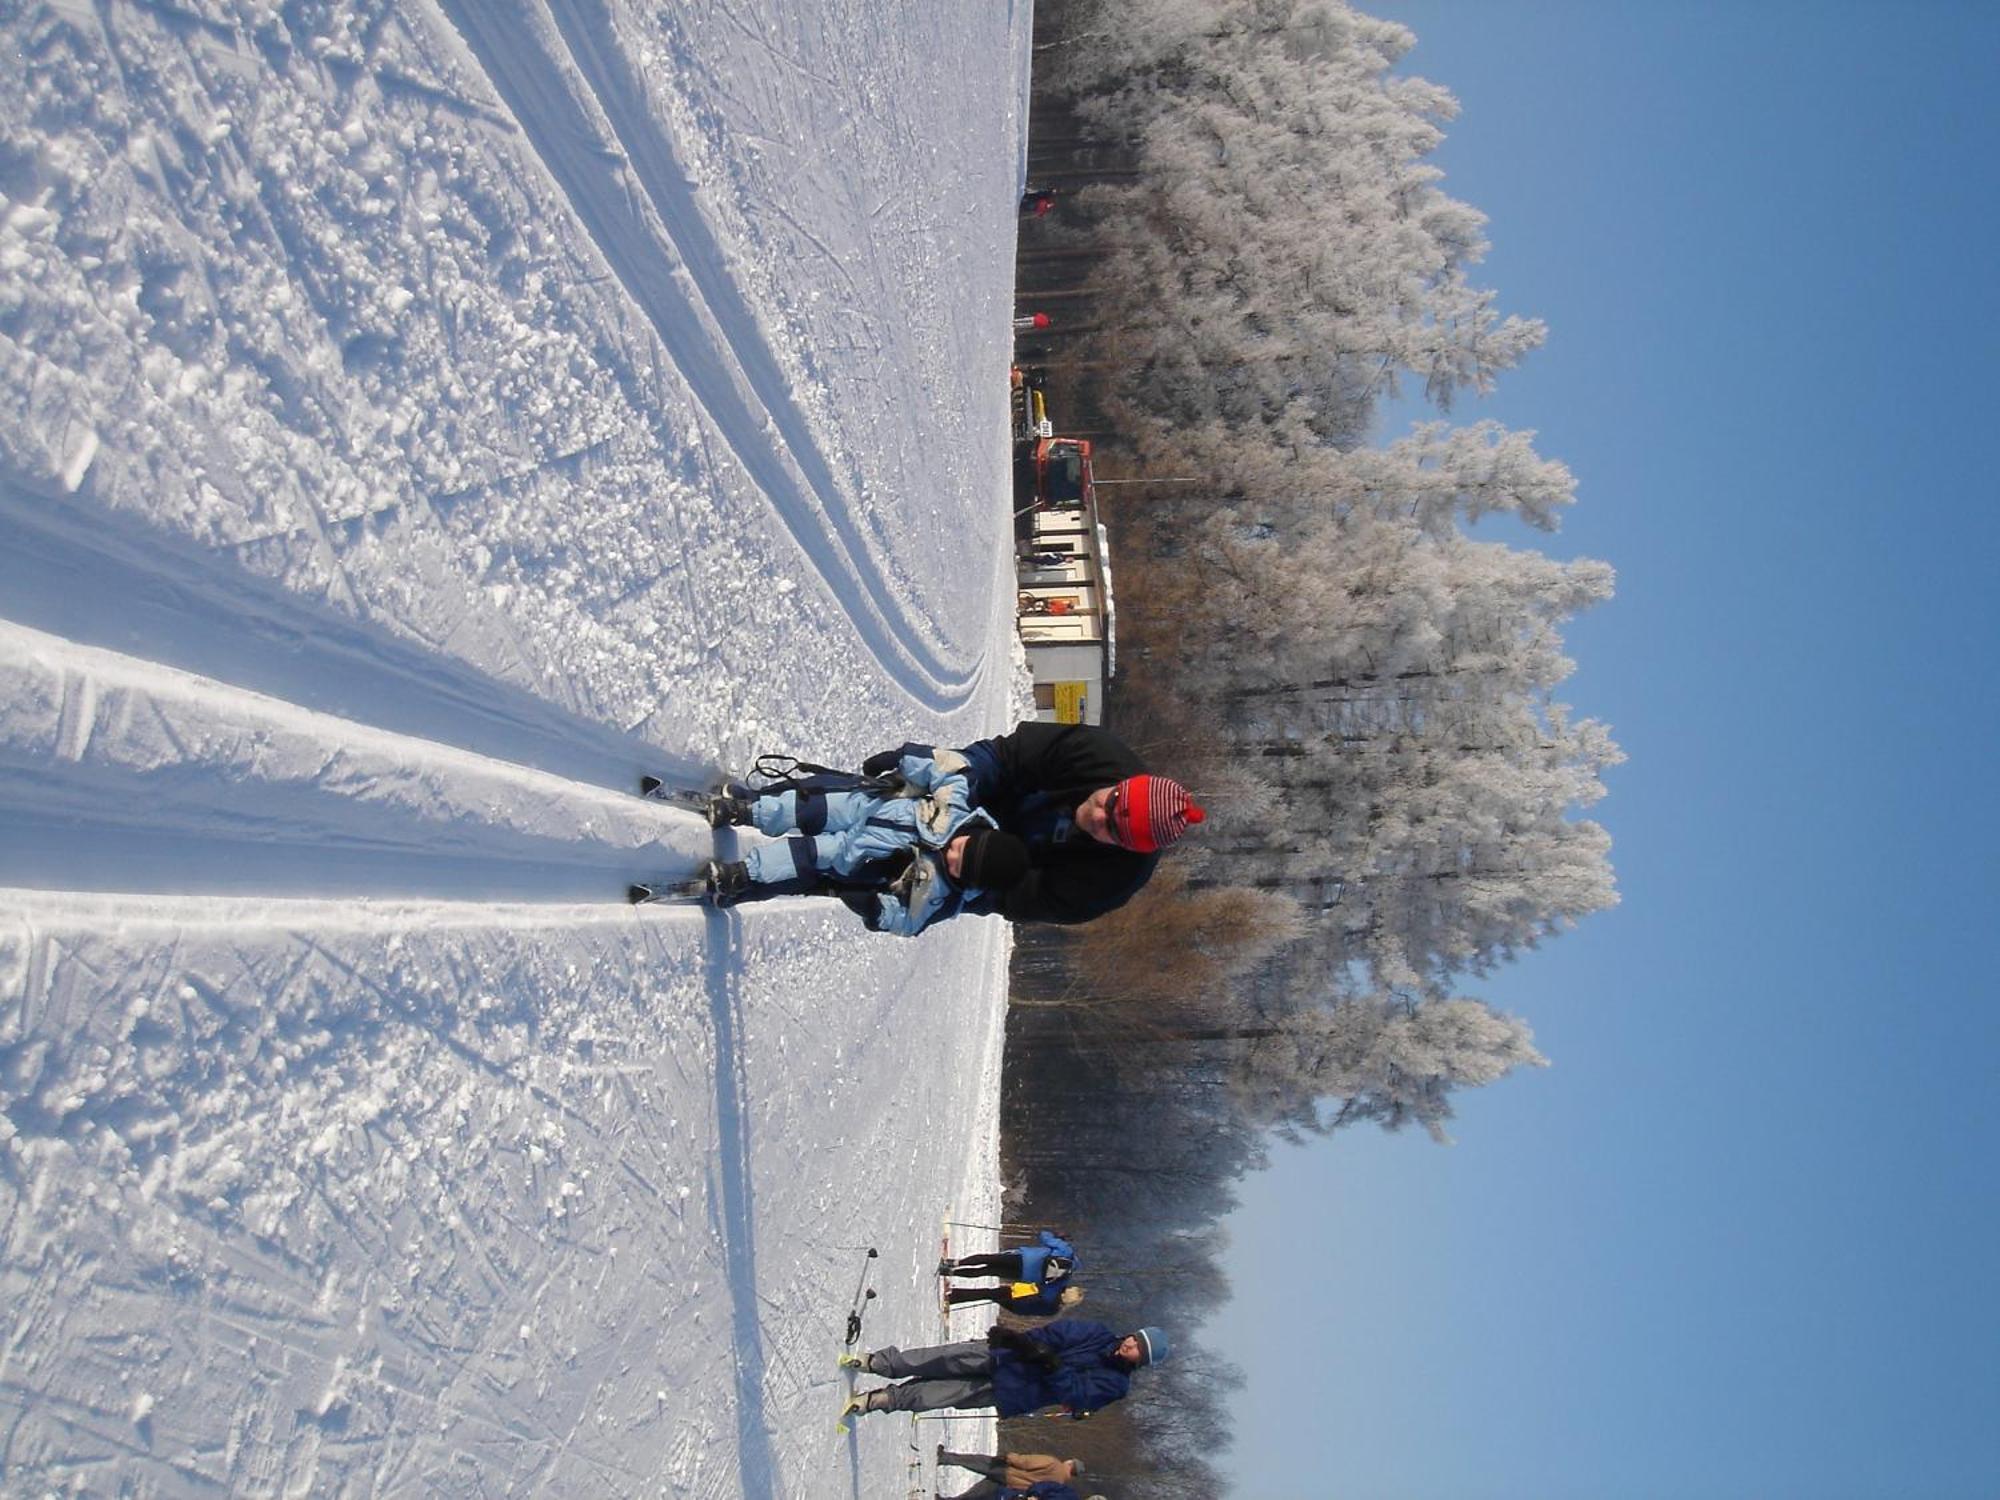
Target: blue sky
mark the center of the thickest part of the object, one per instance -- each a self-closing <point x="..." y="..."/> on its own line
<point x="1739" y="1240"/>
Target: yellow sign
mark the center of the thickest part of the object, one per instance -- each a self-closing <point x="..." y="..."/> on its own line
<point x="1070" y="698"/>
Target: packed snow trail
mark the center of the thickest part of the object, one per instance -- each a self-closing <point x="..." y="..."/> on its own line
<point x="181" y="607"/>
<point x="99" y="743"/>
<point x="415" y="422"/>
<point x="641" y="212"/>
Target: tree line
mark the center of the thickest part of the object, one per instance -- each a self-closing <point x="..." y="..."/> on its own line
<point x="1343" y="644"/>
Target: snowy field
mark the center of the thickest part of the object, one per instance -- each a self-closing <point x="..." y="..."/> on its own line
<point x="419" y="418"/>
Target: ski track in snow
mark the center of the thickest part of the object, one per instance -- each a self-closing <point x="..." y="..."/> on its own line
<point x="648" y="222"/>
<point x="417" y="422"/>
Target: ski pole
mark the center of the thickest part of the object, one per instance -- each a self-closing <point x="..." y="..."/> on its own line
<point x="863" y="1295"/>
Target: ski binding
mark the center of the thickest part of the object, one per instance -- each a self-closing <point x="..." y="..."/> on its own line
<point x="687" y="799"/>
<point x="691" y="891"/>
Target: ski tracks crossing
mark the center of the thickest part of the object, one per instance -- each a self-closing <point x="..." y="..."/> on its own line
<point x="573" y="91"/>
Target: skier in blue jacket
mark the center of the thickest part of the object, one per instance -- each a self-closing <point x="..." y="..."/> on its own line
<point x="1071" y="1366"/>
<point x="1022" y="1298"/>
<point x="1038" y="1276"/>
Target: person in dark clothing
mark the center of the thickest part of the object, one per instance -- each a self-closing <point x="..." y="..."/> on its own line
<point x="1075" y="1366"/>
<point x="1093" y="818"/>
<point x="1042" y="1489"/>
<point x="1051" y="823"/>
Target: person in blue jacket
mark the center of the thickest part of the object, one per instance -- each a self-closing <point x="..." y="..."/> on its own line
<point x="1041" y="1489"/>
<point x="1022" y="1298"/>
<point x="1038" y="1276"/>
<point x="1070" y="1367"/>
<point x="904" y="846"/>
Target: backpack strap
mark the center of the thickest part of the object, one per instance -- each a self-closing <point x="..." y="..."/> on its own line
<point x="775" y="773"/>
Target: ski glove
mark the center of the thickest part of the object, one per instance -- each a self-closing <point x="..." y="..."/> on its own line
<point x="1028" y="1350"/>
<point x="1000" y="1336"/>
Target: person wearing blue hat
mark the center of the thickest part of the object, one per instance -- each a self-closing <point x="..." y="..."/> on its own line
<point x="1070" y="1367"/>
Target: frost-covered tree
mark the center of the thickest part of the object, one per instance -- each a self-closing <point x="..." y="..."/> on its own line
<point x="1284" y="248"/>
<point x="1314" y="629"/>
<point x="1380" y="1059"/>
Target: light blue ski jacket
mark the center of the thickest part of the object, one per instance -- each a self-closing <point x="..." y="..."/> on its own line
<point x="921" y="824"/>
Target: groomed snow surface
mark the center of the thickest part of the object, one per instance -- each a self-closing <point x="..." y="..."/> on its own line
<point x="417" y="419"/>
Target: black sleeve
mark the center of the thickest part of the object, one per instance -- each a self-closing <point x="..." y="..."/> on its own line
<point x="1079" y="888"/>
<point x="1043" y="757"/>
<point x="1037" y="898"/>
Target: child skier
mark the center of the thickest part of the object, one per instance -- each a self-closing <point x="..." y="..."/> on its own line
<point x="904" y="849"/>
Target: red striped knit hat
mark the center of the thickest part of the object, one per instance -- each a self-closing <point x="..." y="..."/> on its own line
<point x="1150" y="812"/>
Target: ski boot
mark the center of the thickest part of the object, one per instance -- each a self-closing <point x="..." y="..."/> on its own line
<point x="947" y="1266"/>
<point x="859" y="1405"/>
<point x="731" y="805"/>
<point x="852" y="1361"/>
<point x="728" y="881"/>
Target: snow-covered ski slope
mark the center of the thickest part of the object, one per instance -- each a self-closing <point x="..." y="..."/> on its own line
<point x="417" y="419"/>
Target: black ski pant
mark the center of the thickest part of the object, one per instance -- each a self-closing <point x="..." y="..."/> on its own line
<point x="1001" y="1296"/>
<point x="1006" y="1264"/>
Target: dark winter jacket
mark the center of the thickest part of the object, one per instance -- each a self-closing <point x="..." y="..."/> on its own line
<point x="1035" y="1259"/>
<point x="1030" y="782"/>
<point x="1087" y="1375"/>
<point x="1048" y="1489"/>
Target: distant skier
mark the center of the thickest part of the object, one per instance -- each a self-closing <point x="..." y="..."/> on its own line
<point x="1004" y="1476"/>
<point x="1032" y="322"/>
<point x="1069" y="1367"/>
<point x="1036" y="202"/>
<point x="1035" y="1278"/>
